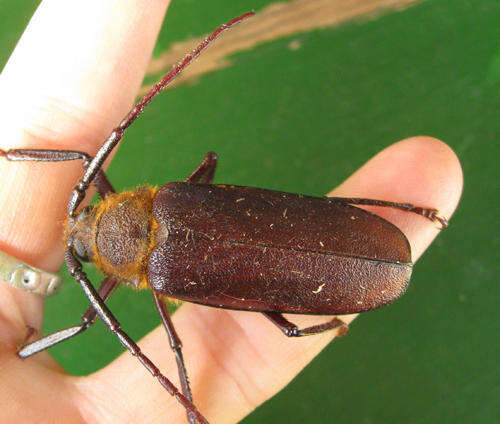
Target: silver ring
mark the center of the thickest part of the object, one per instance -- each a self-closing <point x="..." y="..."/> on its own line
<point x="23" y="276"/>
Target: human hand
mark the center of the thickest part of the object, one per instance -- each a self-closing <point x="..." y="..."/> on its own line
<point x="68" y="92"/>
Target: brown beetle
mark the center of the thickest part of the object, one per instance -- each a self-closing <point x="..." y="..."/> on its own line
<point x="225" y="246"/>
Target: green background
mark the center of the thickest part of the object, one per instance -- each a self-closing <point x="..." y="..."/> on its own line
<point x="302" y="121"/>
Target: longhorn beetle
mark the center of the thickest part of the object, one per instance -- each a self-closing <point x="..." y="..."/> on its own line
<point x="224" y="246"/>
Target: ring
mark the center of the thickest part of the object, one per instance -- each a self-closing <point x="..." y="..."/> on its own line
<point x="23" y="276"/>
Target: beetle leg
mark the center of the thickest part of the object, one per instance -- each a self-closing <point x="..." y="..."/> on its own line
<point x="176" y="345"/>
<point x="429" y="213"/>
<point x="107" y="287"/>
<point x="289" y="329"/>
<point x="205" y="171"/>
<point x="101" y="182"/>
<point x="75" y="269"/>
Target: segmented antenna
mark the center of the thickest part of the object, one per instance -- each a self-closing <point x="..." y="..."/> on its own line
<point x="117" y="134"/>
<point x="177" y="69"/>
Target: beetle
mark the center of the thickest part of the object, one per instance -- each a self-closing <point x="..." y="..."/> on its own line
<point x="224" y="246"/>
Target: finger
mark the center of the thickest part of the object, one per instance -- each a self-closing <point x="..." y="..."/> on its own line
<point x="237" y="360"/>
<point x="71" y="78"/>
<point x="411" y="172"/>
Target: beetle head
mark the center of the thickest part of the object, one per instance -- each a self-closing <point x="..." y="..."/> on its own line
<point x="79" y="233"/>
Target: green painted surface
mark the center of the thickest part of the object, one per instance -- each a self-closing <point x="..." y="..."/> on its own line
<point x="302" y="121"/>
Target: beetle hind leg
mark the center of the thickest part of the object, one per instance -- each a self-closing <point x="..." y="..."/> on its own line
<point x="289" y="329"/>
<point x="429" y="213"/>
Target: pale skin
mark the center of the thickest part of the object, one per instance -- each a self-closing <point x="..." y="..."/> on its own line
<point x="73" y="81"/>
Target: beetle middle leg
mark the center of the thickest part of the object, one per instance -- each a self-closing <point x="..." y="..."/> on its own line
<point x="176" y="345"/>
<point x="204" y="173"/>
<point x="289" y="329"/>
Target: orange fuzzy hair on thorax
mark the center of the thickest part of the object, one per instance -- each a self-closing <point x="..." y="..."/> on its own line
<point x="117" y="234"/>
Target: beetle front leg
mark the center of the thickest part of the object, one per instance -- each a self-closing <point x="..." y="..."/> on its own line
<point x="76" y="271"/>
<point x="101" y="182"/>
<point x="205" y="171"/>
<point x="289" y="329"/>
<point x="106" y="288"/>
<point x="176" y="345"/>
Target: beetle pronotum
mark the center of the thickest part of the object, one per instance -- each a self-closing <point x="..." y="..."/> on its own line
<point x="225" y="246"/>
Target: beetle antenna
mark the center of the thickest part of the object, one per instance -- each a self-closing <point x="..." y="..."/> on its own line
<point x="117" y="134"/>
<point x="177" y="69"/>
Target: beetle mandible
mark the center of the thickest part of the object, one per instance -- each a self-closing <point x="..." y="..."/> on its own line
<point x="225" y="246"/>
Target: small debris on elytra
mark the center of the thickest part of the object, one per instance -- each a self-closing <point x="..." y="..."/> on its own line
<point x="319" y="288"/>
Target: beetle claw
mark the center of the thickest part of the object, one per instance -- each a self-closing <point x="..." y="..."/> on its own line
<point x="434" y="217"/>
<point x="431" y="214"/>
<point x="293" y="332"/>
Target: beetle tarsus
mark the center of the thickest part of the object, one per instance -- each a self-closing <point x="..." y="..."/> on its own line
<point x="289" y="329"/>
<point x="100" y="181"/>
<point x="48" y="341"/>
<point x="433" y="215"/>
<point x="107" y="287"/>
<point x="429" y="213"/>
